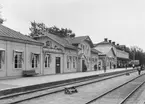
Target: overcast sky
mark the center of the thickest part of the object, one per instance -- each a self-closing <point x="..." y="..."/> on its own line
<point x="122" y="21"/>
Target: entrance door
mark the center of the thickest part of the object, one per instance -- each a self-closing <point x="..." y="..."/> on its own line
<point x="84" y="67"/>
<point x="57" y="64"/>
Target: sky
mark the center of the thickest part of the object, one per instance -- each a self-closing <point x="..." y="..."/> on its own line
<point x="122" y="21"/>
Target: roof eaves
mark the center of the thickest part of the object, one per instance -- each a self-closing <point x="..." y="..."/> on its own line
<point x="20" y="40"/>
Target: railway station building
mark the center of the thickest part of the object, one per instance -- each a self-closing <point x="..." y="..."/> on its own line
<point x="111" y="56"/>
<point x="46" y="54"/>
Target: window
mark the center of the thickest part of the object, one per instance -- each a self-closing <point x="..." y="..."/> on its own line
<point x="18" y="59"/>
<point x="34" y="60"/>
<point x="74" y="62"/>
<point x="68" y="62"/>
<point x="2" y="57"/>
<point x="47" y="61"/>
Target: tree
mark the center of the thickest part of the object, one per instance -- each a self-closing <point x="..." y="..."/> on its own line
<point x="37" y="28"/>
<point x="1" y="19"/>
<point x="137" y="53"/>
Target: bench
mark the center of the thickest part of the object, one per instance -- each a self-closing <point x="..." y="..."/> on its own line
<point x="70" y="89"/>
<point x="29" y="72"/>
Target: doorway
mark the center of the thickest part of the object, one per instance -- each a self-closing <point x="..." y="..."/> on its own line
<point x="57" y="64"/>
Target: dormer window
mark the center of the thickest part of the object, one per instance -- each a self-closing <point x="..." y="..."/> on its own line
<point x="49" y="43"/>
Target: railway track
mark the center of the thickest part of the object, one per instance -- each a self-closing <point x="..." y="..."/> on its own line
<point x="17" y="98"/>
<point x="121" y="93"/>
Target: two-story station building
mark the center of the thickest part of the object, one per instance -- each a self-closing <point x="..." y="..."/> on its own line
<point x="63" y="55"/>
<point x="111" y="55"/>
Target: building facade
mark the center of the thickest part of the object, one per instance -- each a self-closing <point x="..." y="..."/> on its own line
<point x="67" y="54"/>
<point x="114" y="56"/>
<point x="18" y="53"/>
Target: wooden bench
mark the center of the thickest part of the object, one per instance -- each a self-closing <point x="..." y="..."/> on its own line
<point x="29" y="72"/>
<point x="70" y="89"/>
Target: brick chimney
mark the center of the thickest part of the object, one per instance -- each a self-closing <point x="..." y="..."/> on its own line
<point x="109" y="41"/>
<point x="105" y="39"/>
<point x="113" y="43"/>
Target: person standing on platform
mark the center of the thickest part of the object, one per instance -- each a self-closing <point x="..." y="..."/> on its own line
<point x="133" y="66"/>
<point x="139" y="70"/>
<point x="142" y="68"/>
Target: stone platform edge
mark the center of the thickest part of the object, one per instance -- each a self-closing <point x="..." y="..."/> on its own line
<point x="15" y="90"/>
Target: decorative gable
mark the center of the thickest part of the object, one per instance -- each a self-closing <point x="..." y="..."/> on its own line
<point x="49" y="43"/>
<point x="111" y="53"/>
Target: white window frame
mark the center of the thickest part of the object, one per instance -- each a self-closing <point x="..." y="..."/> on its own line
<point x="35" y="63"/>
<point x="2" y="57"/>
<point x="68" y="62"/>
<point x="74" y="62"/>
<point x="19" y="64"/>
<point x="47" y="61"/>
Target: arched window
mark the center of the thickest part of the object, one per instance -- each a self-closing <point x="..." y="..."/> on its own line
<point x="68" y="62"/>
<point x="34" y="60"/>
<point x="74" y="61"/>
<point x="47" y="60"/>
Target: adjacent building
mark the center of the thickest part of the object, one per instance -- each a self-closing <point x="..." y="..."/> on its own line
<point x="112" y="55"/>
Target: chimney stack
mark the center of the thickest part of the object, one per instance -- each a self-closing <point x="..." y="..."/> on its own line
<point x="109" y="41"/>
<point x="113" y="43"/>
<point x="105" y="39"/>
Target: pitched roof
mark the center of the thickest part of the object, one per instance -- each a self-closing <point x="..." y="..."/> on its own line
<point x="59" y="40"/>
<point x="106" y="50"/>
<point x="103" y="42"/>
<point x="95" y="51"/>
<point x="79" y="39"/>
<point x="16" y="36"/>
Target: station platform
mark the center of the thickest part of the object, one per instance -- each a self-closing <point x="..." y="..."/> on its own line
<point x="10" y="84"/>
